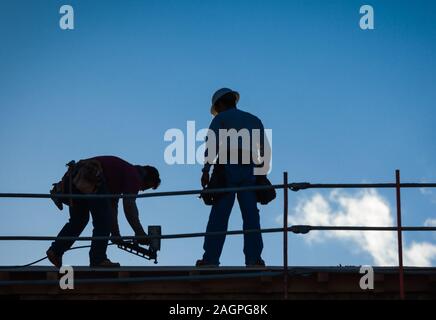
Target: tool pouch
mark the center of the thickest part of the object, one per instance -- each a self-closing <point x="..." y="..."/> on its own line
<point x="85" y="176"/>
<point x="264" y="196"/>
<point x="88" y="176"/>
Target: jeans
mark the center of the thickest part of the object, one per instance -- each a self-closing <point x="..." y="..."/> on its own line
<point x="79" y="216"/>
<point x="236" y="176"/>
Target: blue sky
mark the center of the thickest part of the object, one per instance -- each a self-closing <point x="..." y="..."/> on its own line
<point x="344" y="105"/>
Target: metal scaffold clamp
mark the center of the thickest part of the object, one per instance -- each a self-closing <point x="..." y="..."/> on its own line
<point x="296" y="186"/>
<point x="300" y="229"/>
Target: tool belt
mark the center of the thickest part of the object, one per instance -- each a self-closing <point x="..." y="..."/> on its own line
<point x="218" y="180"/>
<point x="265" y="196"/>
<point x="85" y="176"/>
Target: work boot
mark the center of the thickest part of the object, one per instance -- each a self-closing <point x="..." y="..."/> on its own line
<point x="204" y="264"/>
<point x="105" y="264"/>
<point x="258" y="264"/>
<point x="54" y="258"/>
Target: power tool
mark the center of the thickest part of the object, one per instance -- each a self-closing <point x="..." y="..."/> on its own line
<point x="149" y="253"/>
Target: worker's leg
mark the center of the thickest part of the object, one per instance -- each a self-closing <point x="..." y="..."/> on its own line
<point x="253" y="243"/>
<point x="79" y="217"/>
<point x="101" y="211"/>
<point x="218" y="221"/>
<point x="242" y="176"/>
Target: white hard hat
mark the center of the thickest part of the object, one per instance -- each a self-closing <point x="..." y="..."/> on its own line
<point x="218" y="94"/>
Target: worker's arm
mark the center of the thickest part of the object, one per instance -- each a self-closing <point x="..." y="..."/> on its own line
<point x="264" y="150"/>
<point x="132" y="216"/>
<point x="212" y="144"/>
<point x="115" y="228"/>
<point x="211" y="151"/>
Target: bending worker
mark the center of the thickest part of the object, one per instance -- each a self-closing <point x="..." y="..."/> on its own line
<point x="100" y="175"/>
<point x="236" y="164"/>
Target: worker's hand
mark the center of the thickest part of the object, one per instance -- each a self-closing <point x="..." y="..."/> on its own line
<point x="205" y="179"/>
<point x="116" y="234"/>
<point x="144" y="242"/>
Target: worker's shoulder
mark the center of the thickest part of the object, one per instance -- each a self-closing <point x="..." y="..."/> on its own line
<point x="250" y="115"/>
<point x="238" y="114"/>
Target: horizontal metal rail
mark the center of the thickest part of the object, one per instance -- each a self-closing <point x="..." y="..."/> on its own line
<point x="298" y="229"/>
<point x="296" y="186"/>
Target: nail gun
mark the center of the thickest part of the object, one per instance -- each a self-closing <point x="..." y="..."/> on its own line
<point x="151" y="253"/>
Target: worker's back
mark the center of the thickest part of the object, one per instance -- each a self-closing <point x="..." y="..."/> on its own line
<point x="237" y="119"/>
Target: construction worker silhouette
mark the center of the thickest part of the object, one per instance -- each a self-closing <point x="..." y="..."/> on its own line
<point x="100" y="175"/>
<point x="232" y="173"/>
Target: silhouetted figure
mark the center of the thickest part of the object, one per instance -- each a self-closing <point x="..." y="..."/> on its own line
<point x="100" y="175"/>
<point x="237" y="170"/>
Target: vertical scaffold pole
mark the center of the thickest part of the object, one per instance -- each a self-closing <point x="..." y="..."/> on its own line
<point x="399" y="233"/>
<point x="285" y="235"/>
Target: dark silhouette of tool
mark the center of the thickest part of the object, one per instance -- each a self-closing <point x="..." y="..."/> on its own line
<point x="149" y="253"/>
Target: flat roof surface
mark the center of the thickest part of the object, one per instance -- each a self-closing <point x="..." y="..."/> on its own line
<point x="228" y="282"/>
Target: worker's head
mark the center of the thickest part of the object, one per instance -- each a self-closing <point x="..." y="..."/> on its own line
<point x="150" y="177"/>
<point x="224" y="99"/>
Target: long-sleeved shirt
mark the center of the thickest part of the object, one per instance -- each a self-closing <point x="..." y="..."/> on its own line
<point x="247" y="133"/>
<point x="121" y="177"/>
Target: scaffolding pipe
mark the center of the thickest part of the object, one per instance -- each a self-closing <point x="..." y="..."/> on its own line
<point x="298" y="229"/>
<point x="295" y="186"/>
<point x="285" y="236"/>
<point x="399" y="234"/>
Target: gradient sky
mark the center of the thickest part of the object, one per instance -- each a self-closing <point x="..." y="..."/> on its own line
<point x="344" y="105"/>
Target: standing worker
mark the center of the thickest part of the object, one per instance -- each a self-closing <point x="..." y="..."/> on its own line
<point x="245" y="157"/>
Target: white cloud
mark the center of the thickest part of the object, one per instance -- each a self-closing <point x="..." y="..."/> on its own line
<point x="420" y="253"/>
<point x="364" y="208"/>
